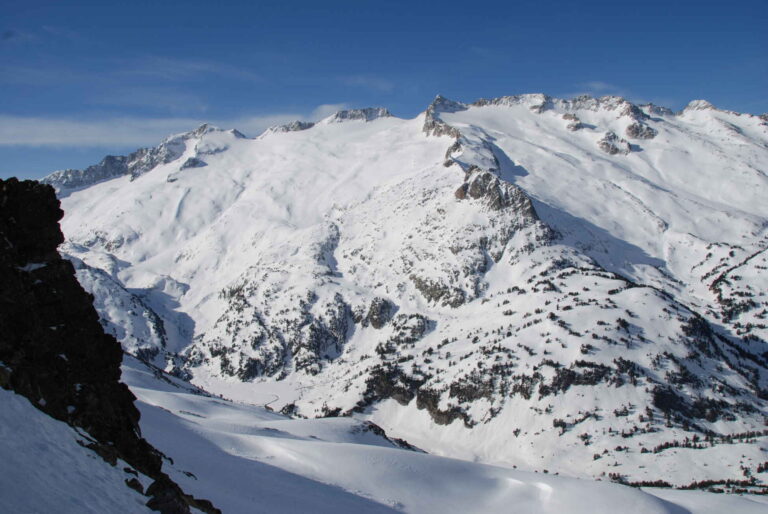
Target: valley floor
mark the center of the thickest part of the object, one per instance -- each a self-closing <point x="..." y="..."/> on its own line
<point x="247" y="459"/>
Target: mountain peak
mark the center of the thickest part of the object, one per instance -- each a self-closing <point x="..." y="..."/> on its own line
<point x="205" y="128"/>
<point x="699" y="105"/>
<point x="294" y="126"/>
<point x="443" y="104"/>
<point x="366" y="114"/>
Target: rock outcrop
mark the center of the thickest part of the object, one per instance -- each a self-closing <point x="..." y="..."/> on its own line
<point x="54" y="351"/>
<point x="379" y="313"/>
<point x="613" y="144"/>
<point x="294" y="126"/>
<point x="193" y="162"/>
<point x="574" y="122"/>
<point x="639" y="130"/>
<point x="367" y="114"/>
<point x="496" y="193"/>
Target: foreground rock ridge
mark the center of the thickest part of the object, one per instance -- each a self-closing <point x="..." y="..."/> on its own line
<point x="575" y="286"/>
<point x="53" y="350"/>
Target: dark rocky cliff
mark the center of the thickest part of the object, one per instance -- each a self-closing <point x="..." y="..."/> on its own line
<point x="53" y="350"/>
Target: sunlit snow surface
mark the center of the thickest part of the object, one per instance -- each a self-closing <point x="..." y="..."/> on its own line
<point x="44" y="469"/>
<point x="246" y="459"/>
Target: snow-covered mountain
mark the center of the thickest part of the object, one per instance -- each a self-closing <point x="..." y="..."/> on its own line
<point x="577" y="286"/>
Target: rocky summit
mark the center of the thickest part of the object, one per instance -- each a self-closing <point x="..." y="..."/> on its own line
<point x="572" y="286"/>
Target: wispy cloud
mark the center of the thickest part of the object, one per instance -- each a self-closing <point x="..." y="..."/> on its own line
<point x="483" y="52"/>
<point x="42" y="34"/>
<point x="596" y="88"/>
<point x="168" y="69"/>
<point x="62" y="132"/>
<point x="15" y="36"/>
<point x="163" y="85"/>
<point x="599" y="86"/>
<point x="138" y="72"/>
<point x="168" y="99"/>
<point x="325" y="110"/>
<point x="42" y="76"/>
<point x="369" y="82"/>
<point x="131" y="131"/>
<point x="61" y="32"/>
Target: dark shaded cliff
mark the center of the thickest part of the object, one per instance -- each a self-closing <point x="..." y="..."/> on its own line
<point x="53" y="350"/>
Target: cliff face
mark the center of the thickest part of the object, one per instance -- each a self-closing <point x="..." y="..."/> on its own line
<point x="53" y="350"/>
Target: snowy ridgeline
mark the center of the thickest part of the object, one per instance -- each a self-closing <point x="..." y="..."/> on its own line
<point x="577" y="286"/>
<point x="248" y="459"/>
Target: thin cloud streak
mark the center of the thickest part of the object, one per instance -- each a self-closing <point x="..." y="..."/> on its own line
<point x="165" y="68"/>
<point x="168" y="99"/>
<point x="15" y="36"/>
<point x="118" y="71"/>
<point x="131" y="131"/>
<point x="40" y="77"/>
<point x="325" y="110"/>
<point x="369" y="82"/>
<point x="38" y="131"/>
<point x="598" y="86"/>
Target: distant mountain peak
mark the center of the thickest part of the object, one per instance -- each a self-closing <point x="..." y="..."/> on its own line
<point x="699" y="105"/>
<point x="136" y="163"/>
<point x="443" y="104"/>
<point x="366" y="114"/>
<point x="202" y="130"/>
<point x="294" y="126"/>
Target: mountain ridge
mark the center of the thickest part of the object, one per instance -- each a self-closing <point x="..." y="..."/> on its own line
<point x="113" y="166"/>
<point x="551" y="265"/>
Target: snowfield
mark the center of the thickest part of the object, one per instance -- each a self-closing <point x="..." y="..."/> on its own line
<point x="555" y="286"/>
<point x="246" y="459"/>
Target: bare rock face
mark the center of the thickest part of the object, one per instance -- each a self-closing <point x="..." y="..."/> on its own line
<point x="54" y="351"/>
<point x="496" y="193"/>
<point x="575" y="123"/>
<point x="294" y="126"/>
<point x="633" y="111"/>
<point x="110" y="167"/>
<point x="536" y="102"/>
<point x="639" y="130"/>
<point x="379" y="313"/>
<point x="439" y="292"/>
<point x="613" y="144"/>
<point x="657" y="110"/>
<point x="433" y="125"/>
<point x="367" y="114"/>
<point x="193" y="162"/>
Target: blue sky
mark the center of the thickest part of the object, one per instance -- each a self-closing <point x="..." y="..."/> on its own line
<point x="79" y="80"/>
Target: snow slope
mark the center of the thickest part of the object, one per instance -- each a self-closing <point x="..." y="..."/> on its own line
<point x="570" y="285"/>
<point x="46" y="470"/>
<point x="247" y="459"/>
